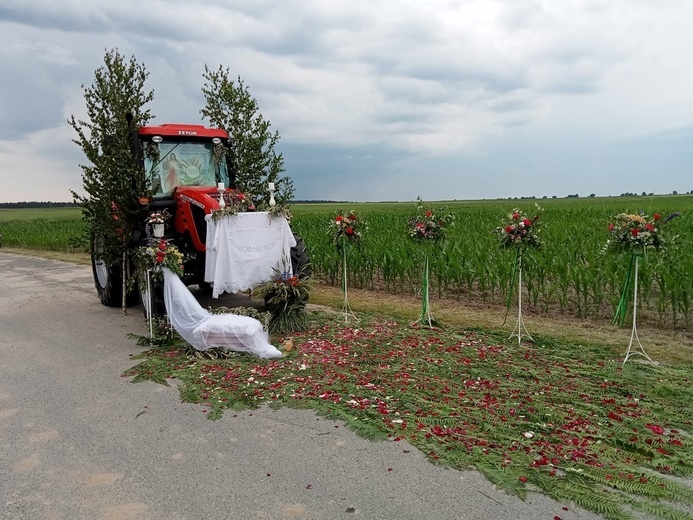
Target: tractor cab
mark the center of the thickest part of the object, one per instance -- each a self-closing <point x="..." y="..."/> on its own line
<point x="185" y="155"/>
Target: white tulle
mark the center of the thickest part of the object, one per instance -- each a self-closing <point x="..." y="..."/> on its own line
<point x="204" y="330"/>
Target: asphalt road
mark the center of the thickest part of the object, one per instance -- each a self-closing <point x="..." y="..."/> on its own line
<point x="79" y="441"/>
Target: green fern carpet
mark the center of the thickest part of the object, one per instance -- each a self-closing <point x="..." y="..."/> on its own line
<point x="565" y="420"/>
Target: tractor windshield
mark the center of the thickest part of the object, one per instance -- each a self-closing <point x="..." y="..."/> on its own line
<point x="183" y="163"/>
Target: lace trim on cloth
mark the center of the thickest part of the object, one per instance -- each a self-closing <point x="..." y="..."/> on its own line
<point x="243" y="250"/>
<point x="204" y="330"/>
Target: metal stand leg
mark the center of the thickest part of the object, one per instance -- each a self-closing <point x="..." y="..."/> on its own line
<point x="149" y="307"/>
<point x="520" y="329"/>
<point x="634" y="332"/>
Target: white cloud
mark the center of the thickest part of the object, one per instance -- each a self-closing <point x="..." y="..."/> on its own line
<point x="443" y="88"/>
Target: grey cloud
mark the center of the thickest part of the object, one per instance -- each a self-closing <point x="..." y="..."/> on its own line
<point x="571" y="85"/>
<point x="509" y="105"/>
<point x="314" y="168"/>
<point x="466" y="76"/>
<point x="52" y="16"/>
<point x="29" y="99"/>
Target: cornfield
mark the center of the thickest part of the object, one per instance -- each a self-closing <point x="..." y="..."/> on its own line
<point x="571" y="275"/>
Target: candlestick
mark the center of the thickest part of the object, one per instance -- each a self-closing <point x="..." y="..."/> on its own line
<point x="272" y="202"/>
<point x="220" y="189"/>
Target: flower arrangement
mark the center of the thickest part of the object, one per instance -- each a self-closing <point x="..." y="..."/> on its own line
<point x="285" y="298"/>
<point x="158" y="217"/>
<point x="634" y="233"/>
<point x="157" y="256"/>
<point x="346" y="227"/>
<point x="521" y="231"/>
<point x="429" y="225"/>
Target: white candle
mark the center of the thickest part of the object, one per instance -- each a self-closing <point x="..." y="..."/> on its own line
<point x="220" y="186"/>
<point x="271" y="186"/>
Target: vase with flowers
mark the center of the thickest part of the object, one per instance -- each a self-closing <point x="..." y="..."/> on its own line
<point x="156" y="221"/>
<point x="634" y="234"/>
<point x="346" y="230"/>
<point x="520" y="232"/>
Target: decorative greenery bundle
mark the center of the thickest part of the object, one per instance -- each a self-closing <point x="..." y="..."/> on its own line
<point x="285" y="297"/>
<point x="521" y="231"/>
<point x="254" y="161"/>
<point x="262" y="316"/>
<point x="236" y="202"/>
<point x="634" y="233"/>
<point x="429" y="225"/>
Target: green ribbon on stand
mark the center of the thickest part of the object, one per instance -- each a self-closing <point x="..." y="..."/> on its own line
<point x="516" y="266"/>
<point x="425" y="309"/>
<point x="622" y="308"/>
<point x="425" y="318"/>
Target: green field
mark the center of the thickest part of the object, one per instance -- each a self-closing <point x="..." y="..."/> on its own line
<point x="570" y="276"/>
<point x="54" y="229"/>
<point x="51" y="214"/>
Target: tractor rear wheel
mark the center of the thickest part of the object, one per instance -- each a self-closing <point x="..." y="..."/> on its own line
<point x="300" y="261"/>
<point x="108" y="279"/>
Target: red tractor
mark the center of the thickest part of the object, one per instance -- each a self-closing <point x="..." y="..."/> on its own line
<point x="185" y="164"/>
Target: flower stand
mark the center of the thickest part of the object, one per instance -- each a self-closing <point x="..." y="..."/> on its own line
<point x="634" y="332"/>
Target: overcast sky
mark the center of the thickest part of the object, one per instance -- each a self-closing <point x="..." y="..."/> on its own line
<point x="378" y="99"/>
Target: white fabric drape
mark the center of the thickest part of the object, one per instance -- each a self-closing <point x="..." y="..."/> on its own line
<point x="244" y="249"/>
<point x="204" y="330"/>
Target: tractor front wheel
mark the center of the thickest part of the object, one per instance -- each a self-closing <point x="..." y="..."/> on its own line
<point x="157" y="299"/>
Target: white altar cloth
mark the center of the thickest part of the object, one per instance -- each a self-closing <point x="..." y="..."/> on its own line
<point x="243" y="250"/>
